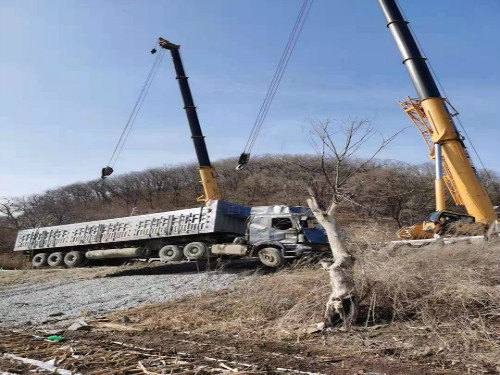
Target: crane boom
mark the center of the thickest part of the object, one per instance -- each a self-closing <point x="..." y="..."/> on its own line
<point x="447" y="141"/>
<point x="207" y="171"/>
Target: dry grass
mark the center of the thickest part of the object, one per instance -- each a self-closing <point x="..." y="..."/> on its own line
<point x="451" y="294"/>
<point x="259" y="304"/>
<point x="13" y="261"/>
<point x="436" y="285"/>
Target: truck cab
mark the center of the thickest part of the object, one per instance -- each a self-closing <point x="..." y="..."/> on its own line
<point x="276" y="233"/>
<point x="293" y="230"/>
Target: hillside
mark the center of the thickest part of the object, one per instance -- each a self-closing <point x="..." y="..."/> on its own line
<point x="385" y="195"/>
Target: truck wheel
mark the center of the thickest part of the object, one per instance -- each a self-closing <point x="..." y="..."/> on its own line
<point x="170" y="253"/>
<point x="55" y="259"/>
<point x="271" y="257"/>
<point x="39" y="260"/>
<point x="74" y="258"/>
<point x="195" y="250"/>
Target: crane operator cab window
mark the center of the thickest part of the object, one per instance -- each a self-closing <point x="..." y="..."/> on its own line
<point x="448" y="217"/>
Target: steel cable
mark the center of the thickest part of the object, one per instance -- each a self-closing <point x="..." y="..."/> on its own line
<point x="278" y="74"/>
<point x="135" y="111"/>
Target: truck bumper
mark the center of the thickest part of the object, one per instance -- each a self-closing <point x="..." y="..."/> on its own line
<point x="304" y="249"/>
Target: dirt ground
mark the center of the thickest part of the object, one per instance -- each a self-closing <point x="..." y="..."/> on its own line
<point x="10" y="279"/>
<point x="18" y="278"/>
<point x="261" y="325"/>
<point x="124" y="351"/>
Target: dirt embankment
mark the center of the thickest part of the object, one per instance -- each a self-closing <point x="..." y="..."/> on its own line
<point x="425" y="310"/>
<point x="32" y="297"/>
<point x="429" y="310"/>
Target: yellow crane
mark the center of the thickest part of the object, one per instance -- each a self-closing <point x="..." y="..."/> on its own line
<point x="207" y="171"/>
<point x="432" y="116"/>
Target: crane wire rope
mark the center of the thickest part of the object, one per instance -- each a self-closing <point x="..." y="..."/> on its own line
<point x="135" y="111"/>
<point x="160" y="57"/>
<point x="457" y="116"/>
<point x="275" y="82"/>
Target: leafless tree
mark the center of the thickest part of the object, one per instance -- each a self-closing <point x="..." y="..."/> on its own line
<point x="336" y="145"/>
<point x="10" y="212"/>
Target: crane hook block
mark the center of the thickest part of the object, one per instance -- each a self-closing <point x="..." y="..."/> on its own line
<point x="153" y="51"/>
<point x="106" y="171"/>
<point x="242" y="161"/>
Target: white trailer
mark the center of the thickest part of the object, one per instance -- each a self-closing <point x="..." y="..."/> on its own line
<point x="193" y="233"/>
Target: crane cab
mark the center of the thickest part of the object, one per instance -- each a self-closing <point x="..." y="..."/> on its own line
<point x="452" y="223"/>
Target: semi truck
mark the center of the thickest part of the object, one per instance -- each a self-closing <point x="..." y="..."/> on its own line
<point x="271" y="233"/>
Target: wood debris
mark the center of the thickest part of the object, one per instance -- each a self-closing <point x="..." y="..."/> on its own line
<point x="104" y="358"/>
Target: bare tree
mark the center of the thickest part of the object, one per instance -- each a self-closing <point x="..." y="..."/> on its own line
<point x="10" y="212"/>
<point x="336" y="147"/>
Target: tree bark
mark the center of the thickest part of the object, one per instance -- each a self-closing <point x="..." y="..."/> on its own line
<point x="342" y="306"/>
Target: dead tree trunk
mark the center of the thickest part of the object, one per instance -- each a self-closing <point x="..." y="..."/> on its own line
<point x="342" y="306"/>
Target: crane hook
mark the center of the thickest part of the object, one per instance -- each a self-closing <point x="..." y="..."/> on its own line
<point x="106" y="171"/>
<point x="243" y="160"/>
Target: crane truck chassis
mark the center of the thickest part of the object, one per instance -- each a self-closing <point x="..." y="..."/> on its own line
<point x="271" y="233"/>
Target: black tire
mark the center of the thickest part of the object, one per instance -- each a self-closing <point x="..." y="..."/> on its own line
<point x="271" y="257"/>
<point x="146" y="251"/>
<point x="195" y="250"/>
<point x="171" y="253"/>
<point x="40" y="260"/>
<point x="74" y="259"/>
<point x="55" y="259"/>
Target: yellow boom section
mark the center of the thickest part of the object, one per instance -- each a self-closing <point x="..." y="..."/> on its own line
<point x="434" y="122"/>
<point x="210" y="187"/>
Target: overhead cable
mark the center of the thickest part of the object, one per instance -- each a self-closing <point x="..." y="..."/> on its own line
<point x="275" y="82"/>
<point x="106" y="171"/>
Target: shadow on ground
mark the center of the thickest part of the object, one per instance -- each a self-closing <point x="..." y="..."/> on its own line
<point x="226" y="266"/>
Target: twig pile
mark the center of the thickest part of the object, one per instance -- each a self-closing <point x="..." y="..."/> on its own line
<point x="106" y="358"/>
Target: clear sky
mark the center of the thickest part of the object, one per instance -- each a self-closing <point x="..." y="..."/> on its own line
<point x="71" y="71"/>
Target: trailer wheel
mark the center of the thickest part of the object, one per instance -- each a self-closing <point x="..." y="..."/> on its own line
<point x="74" y="259"/>
<point x="55" y="259"/>
<point x="271" y="257"/>
<point x="195" y="250"/>
<point x="170" y="253"/>
<point x="39" y="260"/>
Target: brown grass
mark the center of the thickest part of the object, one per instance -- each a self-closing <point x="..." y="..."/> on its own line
<point x="13" y="261"/>
<point x="446" y="299"/>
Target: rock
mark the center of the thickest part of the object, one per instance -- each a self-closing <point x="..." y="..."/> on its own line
<point x="79" y="325"/>
<point x="52" y="332"/>
<point x="27" y="323"/>
<point x="312" y="328"/>
<point x="125" y="319"/>
<point x="56" y="314"/>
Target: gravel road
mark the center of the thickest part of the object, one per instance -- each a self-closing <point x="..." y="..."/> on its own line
<point x="36" y="303"/>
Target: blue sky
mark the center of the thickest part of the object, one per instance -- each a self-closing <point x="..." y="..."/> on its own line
<point x="71" y="72"/>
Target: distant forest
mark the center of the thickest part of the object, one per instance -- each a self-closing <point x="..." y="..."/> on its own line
<point x="383" y="190"/>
